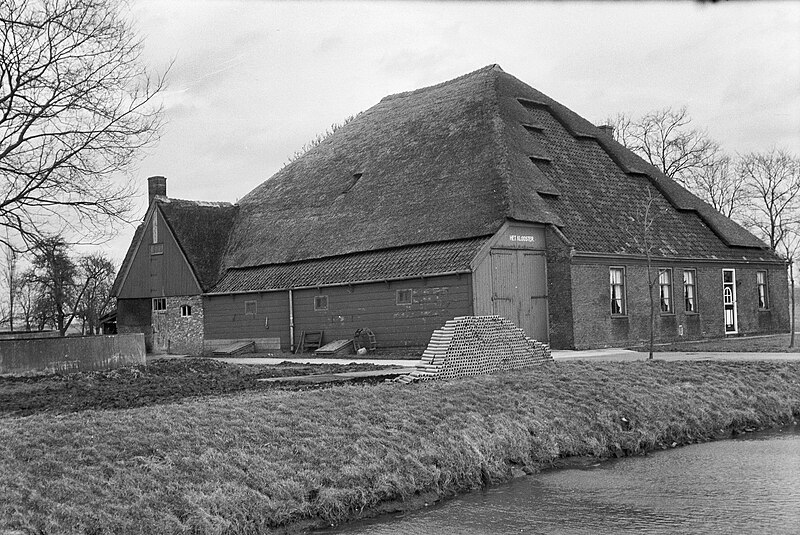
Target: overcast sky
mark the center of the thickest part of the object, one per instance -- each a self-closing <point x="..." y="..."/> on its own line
<point x="252" y="82"/>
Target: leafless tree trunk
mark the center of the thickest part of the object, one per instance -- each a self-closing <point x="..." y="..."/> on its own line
<point x="791" y="286"/>
<point x="641" y="231"/>
<point x="10" y="280"/>
<point x="76" y="104"/>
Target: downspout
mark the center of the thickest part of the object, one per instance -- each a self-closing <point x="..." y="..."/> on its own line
<point x="291" y="322"/>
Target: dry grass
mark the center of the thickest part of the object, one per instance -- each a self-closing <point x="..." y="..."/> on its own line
<point x="778" y="343"/>
<point x="251" y="462"/>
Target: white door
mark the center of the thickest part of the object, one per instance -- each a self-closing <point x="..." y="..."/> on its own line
<point x="729" y="301"/>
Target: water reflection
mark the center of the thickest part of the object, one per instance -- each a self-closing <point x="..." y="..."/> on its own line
<point x="747" y="485"/>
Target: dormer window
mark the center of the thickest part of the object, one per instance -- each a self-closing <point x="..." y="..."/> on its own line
<point x="349" y="186"/>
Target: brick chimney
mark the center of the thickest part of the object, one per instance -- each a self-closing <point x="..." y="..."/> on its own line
<point x="156" y="185"/>
<point x="607" y="129"/>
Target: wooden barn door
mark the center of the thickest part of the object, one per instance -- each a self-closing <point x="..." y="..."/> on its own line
<point x="534" y="284"/>
<point x="519" y="290"/>
<point x="504" y="289"/>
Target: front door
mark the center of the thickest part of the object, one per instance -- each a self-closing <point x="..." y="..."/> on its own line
<point x="729" y="301"/>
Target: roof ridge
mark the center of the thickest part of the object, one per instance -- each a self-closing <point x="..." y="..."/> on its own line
<point x="498" y="131"/>
<point x="486" y="69"/>
<point x="215" y="204"/>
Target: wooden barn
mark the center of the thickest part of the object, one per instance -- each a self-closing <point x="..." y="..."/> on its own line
<point x="476" y="196"/>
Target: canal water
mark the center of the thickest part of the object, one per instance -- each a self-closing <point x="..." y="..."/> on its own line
<point x="745" y="485"/>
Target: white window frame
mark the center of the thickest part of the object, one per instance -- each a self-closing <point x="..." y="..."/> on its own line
<point x="159" y="301"/>
<point x="693" y="286"/>
<point x="186" y="311"/>
<point x="668" y="297"/>
<point x="623" y="299"/>
<point x="762" y="285"/>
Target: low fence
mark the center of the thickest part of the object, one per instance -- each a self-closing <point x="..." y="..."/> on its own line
<point x="71" y="354"/>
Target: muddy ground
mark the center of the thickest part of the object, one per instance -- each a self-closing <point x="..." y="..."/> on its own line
<point x="161" y="381"/>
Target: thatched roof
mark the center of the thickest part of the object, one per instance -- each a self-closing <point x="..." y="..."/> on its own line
<point x="454" y="161"/>
<point x="201" y="229"/>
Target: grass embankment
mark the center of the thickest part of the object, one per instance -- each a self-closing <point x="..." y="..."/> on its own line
<point x="778" y="343"/>
<point x="247" y="463"/>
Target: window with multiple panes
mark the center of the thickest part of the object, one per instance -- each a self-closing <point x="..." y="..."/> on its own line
<point x="689" y="291"/>
<point x="159" y="304"/>
<point x="617" y="287"/>
<point x="186" y="311"/>
<point x="250" y="308"/>
<point x="763" y="289"/>
<point x="665" y="290"/>
<point x="404" y="297"/>
<point x="321" y="302"/>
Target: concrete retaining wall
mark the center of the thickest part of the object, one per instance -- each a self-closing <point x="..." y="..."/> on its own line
<point x="26" y="335"/>
<point x="72" y="354"/>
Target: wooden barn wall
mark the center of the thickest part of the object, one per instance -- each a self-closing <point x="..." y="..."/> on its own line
<point x="434" y="301"/>
<point x="226" y="317"/>
<point x="160" y="275"/>
<point x="510" y="278"/>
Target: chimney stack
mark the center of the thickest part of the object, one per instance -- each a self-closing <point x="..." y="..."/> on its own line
<point x="607" y="129"/>
<point x="156" y="185"/>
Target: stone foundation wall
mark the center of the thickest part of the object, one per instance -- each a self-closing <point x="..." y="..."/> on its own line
<point x="185" y="332"/>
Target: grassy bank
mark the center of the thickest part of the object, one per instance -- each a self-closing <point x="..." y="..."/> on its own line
<point x="251" y="462"/>
<point x="776" y="343"/>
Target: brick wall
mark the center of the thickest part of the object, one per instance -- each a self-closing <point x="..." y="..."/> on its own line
<point x="594" y="326"/>
<point x="559" y="291"/>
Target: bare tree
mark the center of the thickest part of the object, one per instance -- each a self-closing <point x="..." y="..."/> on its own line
<point x="771" y="182"/>
<point x="76" y="104"/>
<point x="98" y="273"/>
<point x="789" y="249"/>
<point x="28" y="300"/>
<point x="54" y="272"/>
<point x="716" y="183"/>
<point x="666" y="140"/>
<point x="641" y="230"/>
<point x="10" y="282"/>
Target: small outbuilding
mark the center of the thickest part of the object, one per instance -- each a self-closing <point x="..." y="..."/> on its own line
<point x="476" y="196"/>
